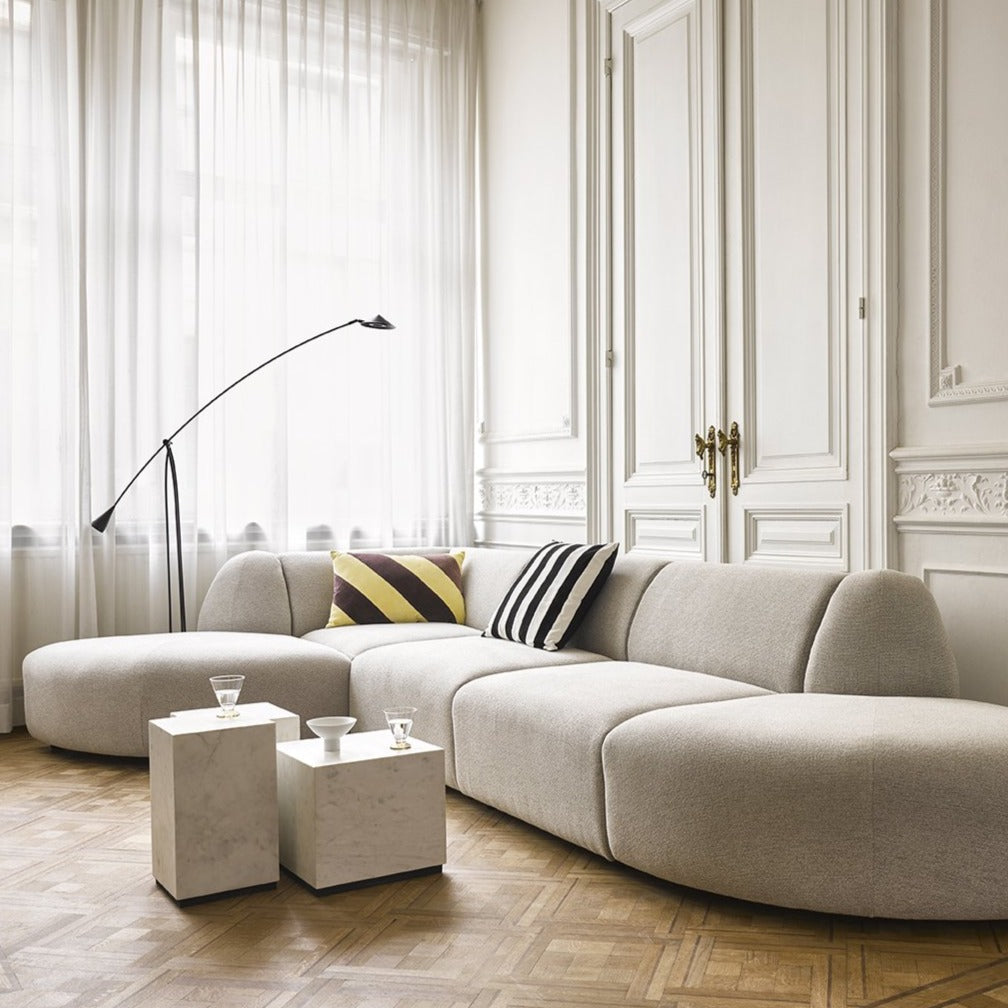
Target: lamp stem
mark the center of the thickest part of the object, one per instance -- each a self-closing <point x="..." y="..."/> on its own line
<point x="178" y="544"/>
<point x="167" y="534"/>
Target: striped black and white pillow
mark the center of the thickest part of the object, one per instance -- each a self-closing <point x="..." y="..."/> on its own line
<point x="552" y="594"/>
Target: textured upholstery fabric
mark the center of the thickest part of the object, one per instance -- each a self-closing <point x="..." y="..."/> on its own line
<point x="354" y="640"/>
<point x="309" y="578"/>
<point x="486" y="576"/>
<point x="97" y="695"/>
<point x="886" y="806"/>
<point x="427" y="674"/>
<point x="530" y="742"/>
<point x="882" y="635"/>
<point x="248" y="594"/>
<point x="753" y="624"/>
<point x="607" y="625"/>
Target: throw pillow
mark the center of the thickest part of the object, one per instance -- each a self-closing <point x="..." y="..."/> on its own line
<point x="551" y="595"/>
<point x="396" y="588"/>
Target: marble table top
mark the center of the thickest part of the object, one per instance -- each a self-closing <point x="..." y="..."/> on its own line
<point x="356" y="747"/>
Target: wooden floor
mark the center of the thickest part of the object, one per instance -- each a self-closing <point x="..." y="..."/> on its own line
<point x="518" y="919"/>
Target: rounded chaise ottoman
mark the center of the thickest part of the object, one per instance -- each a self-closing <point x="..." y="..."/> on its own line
<point x="97" y="695"/>
<point x="874" y="806"/>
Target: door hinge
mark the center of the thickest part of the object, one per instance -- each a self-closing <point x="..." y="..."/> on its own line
<point x="610" y="357"/>
<point x="861" y="308"/>
<point x="607" y="66"/>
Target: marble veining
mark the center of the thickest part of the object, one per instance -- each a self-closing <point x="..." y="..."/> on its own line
<point x="362" y="813"/>
<point x="288" y="725"/>
<point x="213" y="804"/>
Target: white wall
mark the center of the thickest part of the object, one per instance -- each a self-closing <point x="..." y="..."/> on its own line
<point x="952" y="459"/>
<point x="531" y="463"/>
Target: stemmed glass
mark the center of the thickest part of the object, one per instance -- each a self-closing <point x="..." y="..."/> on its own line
<point x="400" y="722"/>
<point x="227" y="688"/>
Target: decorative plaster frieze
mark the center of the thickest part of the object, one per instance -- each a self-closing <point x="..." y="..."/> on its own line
<point x="547" y="498"/>
<point x="955" y="495"/>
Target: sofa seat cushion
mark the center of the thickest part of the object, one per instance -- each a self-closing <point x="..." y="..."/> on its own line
<point x="97" y="695"/>
<point x="874" y="806"/>
<point x="352" y="641"/>
<point x="530" y="742"/>
<point x="427" y="674"/>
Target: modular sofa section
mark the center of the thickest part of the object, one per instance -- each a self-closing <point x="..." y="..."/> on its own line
<point x="874" y="806"/>
<point x="97" y="695"/>
<point x="427" y="675"/>
<point x="530" y="742"/>
<point x="882" y="635"/>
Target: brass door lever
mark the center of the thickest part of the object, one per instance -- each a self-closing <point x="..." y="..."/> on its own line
<point x="730" y="442"/>
<point x="705" y="450"/>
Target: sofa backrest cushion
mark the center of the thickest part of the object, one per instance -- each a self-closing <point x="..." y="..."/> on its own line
<point x="607" y="624"/>
<point x="292" y="593"/>
<point x="882" y="635"/>
<point x="248" y="594"/>
<point x="309" y="577"/>
<point x="752" y="624"/>
<point x="486" y="576"/>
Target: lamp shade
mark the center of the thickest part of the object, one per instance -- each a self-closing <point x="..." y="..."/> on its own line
<point x="377" y="323"/>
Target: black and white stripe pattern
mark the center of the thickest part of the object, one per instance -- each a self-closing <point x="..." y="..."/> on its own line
<point x="552" y="594"/>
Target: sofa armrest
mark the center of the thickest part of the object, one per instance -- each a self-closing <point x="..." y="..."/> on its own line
<point x="882" y="635"/>
<point x="249" y="593"/>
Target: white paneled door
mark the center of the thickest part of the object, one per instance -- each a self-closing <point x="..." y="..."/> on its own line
<point x="737" y="277"/>
<point x="666" y="380"/>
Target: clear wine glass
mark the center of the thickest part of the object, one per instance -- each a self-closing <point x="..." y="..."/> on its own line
<point x="227" y="688"/>
<point x="400" y="722"/>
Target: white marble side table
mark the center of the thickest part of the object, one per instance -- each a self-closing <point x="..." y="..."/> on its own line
<point x="364" y="815"/>
<point x="288" y="724"/>
<point x="213" y="804"/>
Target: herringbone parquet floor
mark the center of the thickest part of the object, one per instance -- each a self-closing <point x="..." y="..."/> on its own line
<point x="519" y="919"/>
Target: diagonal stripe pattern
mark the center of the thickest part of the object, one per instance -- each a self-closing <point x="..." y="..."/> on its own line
<point x="396" y="588"/>
<point x="551" y="595"/>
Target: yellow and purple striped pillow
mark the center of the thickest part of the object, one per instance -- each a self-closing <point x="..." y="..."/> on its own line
<point x="396" y="588"/>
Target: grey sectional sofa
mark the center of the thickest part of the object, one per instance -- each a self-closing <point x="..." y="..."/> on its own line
<point x="777" y="735"/>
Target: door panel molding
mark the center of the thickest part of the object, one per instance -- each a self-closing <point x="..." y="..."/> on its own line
<point x="634" y="34"/>
<point x="558" y="419"/>
<point x="947" y="386"/>
<point x="677" y="533"/>
<point x="813" y="537"/>
<point x="825" y="459"/>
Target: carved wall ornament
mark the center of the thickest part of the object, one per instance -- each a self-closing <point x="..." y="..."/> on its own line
<point x="544" y="497"/>
<point x="954" y="494"/>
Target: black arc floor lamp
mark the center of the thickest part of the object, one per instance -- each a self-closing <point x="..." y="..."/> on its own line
<point x="101" y="522"/>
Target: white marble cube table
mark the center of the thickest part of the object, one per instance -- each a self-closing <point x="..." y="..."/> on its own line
<point x="288" y="725"/>
<point x="213" y="804"/>
<point x="365" y="814"/>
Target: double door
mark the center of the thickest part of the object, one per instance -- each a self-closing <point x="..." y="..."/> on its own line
<point x="737" y="364"/>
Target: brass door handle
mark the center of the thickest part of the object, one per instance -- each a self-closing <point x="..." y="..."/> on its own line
<point x="705" y="451"/>
<point x="730" y="442"/>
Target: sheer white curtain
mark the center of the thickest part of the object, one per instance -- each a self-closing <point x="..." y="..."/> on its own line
<point x="188" y="187"/>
